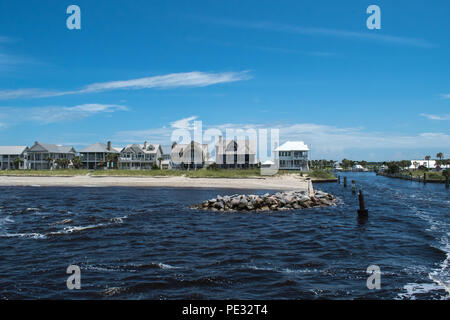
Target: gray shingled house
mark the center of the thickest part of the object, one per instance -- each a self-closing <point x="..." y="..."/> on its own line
<point x="95" y="156"/>
<point x="43" y="156"/>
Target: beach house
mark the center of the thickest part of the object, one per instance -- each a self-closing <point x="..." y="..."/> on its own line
<point x="42" y="156"/>
<point x="140" y="156"/>
<point x="236" y="153"/>
<point x="98" y="155"/>
<point x="293" y="155"/>
<point x="13" y="157"/>
<point x="189" y="156"/>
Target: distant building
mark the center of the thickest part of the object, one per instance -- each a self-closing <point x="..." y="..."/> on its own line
<point x="8" y="155"/>
<point x="358" y="168"/>
<point x="140" y="156"/>
<point x="95" y="156"/>
<point x="189" y="156"/>
<point x="293" y="155"/>
<point x="429" y="164"/>
<point x="337" y="167"/>
<point x="42" y="156"/>
<point x="236" y="153"/>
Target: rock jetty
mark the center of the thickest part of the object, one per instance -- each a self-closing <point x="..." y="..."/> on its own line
<point x="289" y="200"/>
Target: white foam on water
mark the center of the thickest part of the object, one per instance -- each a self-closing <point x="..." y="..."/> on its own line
<point x="166" y="266"/>
<point x="440" y="276"/>
<point x="73" y="229"/>
<point x="32" y="235"/>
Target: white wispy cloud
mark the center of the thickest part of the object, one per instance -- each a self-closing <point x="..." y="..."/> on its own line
<point x="446" y="96"/>
<point x="173" y="80"/>
<point x="436" y="117"/>
<point x="185" y="123"/>
<point x="326" y="141"/>
<point x="315" y="31"/>
<point x="11" y="116"/>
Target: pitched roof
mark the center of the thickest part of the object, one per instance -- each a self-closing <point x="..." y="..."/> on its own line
<point x="12" y="149"/>
<point x="98" y="147"/>
<point x="150" y="149"/>
<point x="293" y="146"/>
<point x="51" y="148"/>
<point x="243" y="146"/>
<point x="166" y="149"/>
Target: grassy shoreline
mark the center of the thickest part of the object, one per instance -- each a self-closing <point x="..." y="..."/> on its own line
<point x="315" y="175"/>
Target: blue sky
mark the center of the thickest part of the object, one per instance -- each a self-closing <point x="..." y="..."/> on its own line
<point x="138" y="69"/>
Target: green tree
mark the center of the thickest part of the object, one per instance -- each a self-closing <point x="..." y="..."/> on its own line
<point x="112" y="160"/>
<point x="428" y="159"/>
<point x="77" y="162"/>
<point x="49" y="162"/>
<point x="17" y="162"/>
<point x="440" y="155"/>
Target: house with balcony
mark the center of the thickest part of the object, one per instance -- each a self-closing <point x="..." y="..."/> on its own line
<point x="293" y="155"/>
<point x="99" y="155"/>
<point x="9" y="156"/>
<point x="44" y="156"/>
<point x="189" y="156"/>
<point x="236" y="154"/>
<point x="140" y="156"/>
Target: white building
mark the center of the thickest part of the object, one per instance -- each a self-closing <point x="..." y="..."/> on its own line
<point x="9" y="154"/>
<point x="429" y="164"/>
<point x="236" y="153"/>
<point x="293" y="155"/>
<point x="189" y="156"/>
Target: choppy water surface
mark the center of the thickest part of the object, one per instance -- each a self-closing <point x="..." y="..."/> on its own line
<point x="144" y="243"/>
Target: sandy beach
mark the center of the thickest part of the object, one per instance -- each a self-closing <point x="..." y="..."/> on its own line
<point x="285" y="182"/>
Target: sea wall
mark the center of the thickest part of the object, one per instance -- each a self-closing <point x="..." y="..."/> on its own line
<point x="289" y="200"/>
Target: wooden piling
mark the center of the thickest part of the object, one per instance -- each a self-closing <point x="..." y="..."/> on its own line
<point x="345" y="182"/>
<point x="362" y="211"/>
<point x="424" y="178"/>
<point x="339" y="179"/>
<point x="353" y="187"/>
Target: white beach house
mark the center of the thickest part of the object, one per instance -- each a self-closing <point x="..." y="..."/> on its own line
<point x="9" y="154"/>
<point x="97" y="155"/>
<point x="293" y="155"/>
<point x="189" y="156"/>
<point x="140" y="156"/>
<point x="236" y="153"/>
<point x="43" y="156"/>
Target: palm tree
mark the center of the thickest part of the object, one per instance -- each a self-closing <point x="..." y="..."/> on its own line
<point x="49" y="162"/>
<point x="111" y="158"/>
<point x="440" y="155"/>
<point x="17" y="162"/>
<point x="415" y="164"/>
<point x="77" y="163"/>
<point x="428" y="159"/>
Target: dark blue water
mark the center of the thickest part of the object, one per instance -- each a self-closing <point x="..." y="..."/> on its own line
<point x="144" y="243"/>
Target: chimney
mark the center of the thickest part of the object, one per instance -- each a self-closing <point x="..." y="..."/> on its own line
<point x="220" y="139"/>
<point x="109" y="146"/>
<point x="145" y="145"/>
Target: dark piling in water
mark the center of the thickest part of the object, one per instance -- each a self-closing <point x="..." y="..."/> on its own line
<point x="345" y="182"/>
<point x="353" y="187"/>
<point x="362" y="211"/>
<point x="424" y="178"/>
<point x="339" y="180"/>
